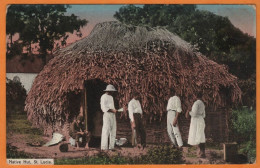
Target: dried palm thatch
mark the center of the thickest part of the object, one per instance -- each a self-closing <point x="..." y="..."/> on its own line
<point x="150" y="61"/>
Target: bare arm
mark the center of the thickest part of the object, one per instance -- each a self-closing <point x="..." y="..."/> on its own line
<point x="112" y="110"/>
<point x="187" y="115"/>
<point x="175" y="119"/>
<point x="130" y="112"/>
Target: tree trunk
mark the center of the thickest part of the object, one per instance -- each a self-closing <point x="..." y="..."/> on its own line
<point x="30" y="48"/>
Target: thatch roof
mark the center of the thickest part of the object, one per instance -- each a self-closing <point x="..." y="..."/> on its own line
<point x="152" y="60"/>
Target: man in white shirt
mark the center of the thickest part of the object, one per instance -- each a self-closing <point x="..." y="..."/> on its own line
<point x="173" y="110"/>
<point x="109" y="119"/>
<point x="136" y="114"/>
<point x="197" y="125"/>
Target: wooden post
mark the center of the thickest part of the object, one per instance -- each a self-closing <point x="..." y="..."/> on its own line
<point x="81" y="110"/>
<point x="86" y="108"/>
<point x="230" y="152"/>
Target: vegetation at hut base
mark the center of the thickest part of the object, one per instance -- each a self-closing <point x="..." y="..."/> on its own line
<point x="40" y="25"/>
<point x="217" y="39"/>
<point x="161" y="154"/>
<point x="244" y="131"/>
<point x="100" y="159"/>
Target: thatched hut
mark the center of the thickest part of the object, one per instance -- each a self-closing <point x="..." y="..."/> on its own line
<point x="148" y="60"/>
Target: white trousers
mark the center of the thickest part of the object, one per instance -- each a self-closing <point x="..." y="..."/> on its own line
<point x="108" y="131"/>
<point x="173" y="132"/>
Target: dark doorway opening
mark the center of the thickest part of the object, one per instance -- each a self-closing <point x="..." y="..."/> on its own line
<point x="94" y="89"/>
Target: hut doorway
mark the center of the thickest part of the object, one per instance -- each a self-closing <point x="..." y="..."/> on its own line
<point x="93" y="90"/>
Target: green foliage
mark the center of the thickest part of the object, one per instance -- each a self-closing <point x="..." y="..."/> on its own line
<point x="152" y="15"/>
<point x="101" y="158"/>
<point x="43" y="25"/>
<point x="249" y="148"/>
<point x="244" y="123"/>
<point x="212" y="35"/>
<point x="244" y="131"/>
<point x="15" y="97"/>
<point x="15" y="49"/>
<point x="12" y="152"/>
<point x="18" y="124"/>
<point x="248" y="86"/>
<point x="161" y="154"/>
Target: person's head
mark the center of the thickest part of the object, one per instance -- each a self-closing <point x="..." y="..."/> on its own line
<point x="79" y="119"/>
<point x="110" y="89"/>
<point x="199" y="95"/>
<point x="172" y="92"/>
<point x="136" y="96"/>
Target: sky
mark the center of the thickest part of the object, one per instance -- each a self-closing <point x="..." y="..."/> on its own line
<point x="241" y="16"/>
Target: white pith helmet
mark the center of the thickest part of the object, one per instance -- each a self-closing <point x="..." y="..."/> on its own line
<point x="110" y="88"/>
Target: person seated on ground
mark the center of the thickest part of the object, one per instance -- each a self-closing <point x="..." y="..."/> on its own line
<point x="77" y="131"/>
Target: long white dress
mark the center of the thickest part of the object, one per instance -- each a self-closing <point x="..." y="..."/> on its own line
<point x="197" y="124"/>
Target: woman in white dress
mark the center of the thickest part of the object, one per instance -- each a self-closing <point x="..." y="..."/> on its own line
<point x="197" y="125"/>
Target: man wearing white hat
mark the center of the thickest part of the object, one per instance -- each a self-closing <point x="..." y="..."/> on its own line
<point x="109" y="119"/>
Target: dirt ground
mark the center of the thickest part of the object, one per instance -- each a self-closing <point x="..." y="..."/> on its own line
<point x="213" y="156"/>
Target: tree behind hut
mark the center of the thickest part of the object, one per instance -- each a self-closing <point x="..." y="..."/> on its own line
<point x="42" y="25"/>
<point x="212" y="35"/>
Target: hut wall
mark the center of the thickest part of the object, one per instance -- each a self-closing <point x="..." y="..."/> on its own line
<point x="156" y="132"/>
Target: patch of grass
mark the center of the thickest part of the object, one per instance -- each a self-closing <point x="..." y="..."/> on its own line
<point x="215" y="155"/>
<point x="192" y="152"/>
<point x="18" y="124"/>
<point x="100" y="159"/>
<point x="12" y="152"/>
<point x="191" y="155"/>
<point x="161" y="154"/>
<point x="216" y="146"/>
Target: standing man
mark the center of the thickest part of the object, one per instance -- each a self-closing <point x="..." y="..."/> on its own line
<point x="109" y="119"/>
<point x="197" y="126"/>
<point x="77" y="130"/>
<point x="136" y="114"/>
<point x="173" y="110"/>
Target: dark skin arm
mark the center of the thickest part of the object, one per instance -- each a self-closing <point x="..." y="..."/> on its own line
<point x="133" y="124"/>
<point x="187" y="115"/>
<point x="112" y="110"/>
<point x="175" y="120"/>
